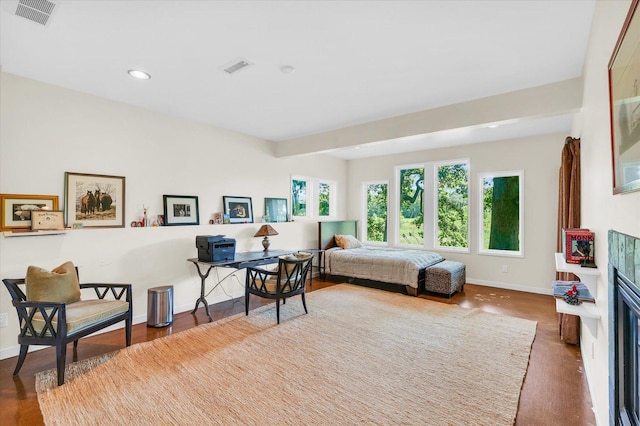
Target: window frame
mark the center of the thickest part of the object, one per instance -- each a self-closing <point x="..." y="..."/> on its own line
<point x="521" y="239"/>
<point x="436" y="181"/>
<point x="333" y="198"/>
<point x="365" y="210"/>
<point x="397" y="209"/>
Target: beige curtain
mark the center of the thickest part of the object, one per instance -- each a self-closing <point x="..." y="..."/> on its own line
<point x="569" y="217"/>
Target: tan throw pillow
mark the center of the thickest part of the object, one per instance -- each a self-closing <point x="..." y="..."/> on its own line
<point x="60" y="285"/>
<point x="347" y="241"/>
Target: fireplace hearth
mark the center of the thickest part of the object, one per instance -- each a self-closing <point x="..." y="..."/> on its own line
<point x="624" y="329"/>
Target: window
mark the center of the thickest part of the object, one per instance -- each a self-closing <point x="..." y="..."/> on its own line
<point x="411" y="206"/>
<point x="452" y="205"/>
<point x="376" y="211"/>
<point x="299" y="197"/>
<point x="326" y="198"/>
<point x="313" y="197"/>
<point x="501" y="219"/>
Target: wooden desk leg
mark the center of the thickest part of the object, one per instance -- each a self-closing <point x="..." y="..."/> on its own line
<point x="202" y="299"/>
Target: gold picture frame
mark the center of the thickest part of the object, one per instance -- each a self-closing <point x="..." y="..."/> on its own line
<point x="47" y="220"/>
<point x="624" y="105"/>
<point x="15" y="209"/>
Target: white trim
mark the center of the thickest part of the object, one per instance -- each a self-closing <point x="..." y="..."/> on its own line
<point x="509" y="286"/>
<point x="365" y="211"/>
<point x="396" y="204"/>
<point x="492" y="252"/>
<point x="436" y="181"/>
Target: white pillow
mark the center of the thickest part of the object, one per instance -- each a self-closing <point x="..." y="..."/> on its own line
<point x="347" y="241"/>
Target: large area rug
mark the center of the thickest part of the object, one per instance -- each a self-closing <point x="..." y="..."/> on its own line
<point x="361" y="356"/>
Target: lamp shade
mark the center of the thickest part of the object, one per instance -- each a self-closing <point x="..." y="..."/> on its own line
<point x="265" y="231"/>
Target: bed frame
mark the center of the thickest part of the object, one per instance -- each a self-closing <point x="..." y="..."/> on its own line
<point x="326" y="240"/>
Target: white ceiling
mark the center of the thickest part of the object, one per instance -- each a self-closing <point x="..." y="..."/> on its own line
<point x="355" y="61"/>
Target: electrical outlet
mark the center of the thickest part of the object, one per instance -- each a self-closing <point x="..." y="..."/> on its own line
<point x="4" y="320"/>
<point x="505" y="269"/>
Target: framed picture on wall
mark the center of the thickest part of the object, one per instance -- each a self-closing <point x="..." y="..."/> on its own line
<point x="239" y="209"/>
<point x="94" y="201"/>
<point x="275" y="209"/>
<point x="624" y="104"/>
<point x="181" y="210"/>
<point x="15" y="209"/>
<point x="47" y="220"/>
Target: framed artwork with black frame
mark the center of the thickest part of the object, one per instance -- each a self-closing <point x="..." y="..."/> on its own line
<point x="624" y="105"/>
<point x="239" y="209"/>
<point x="276" y="209"/>
<point x="95" y="201"/>
<point x="181" y="210"/>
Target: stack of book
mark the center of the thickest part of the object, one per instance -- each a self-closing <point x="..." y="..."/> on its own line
<point x="560" y="288"/>
<point x="577" y="246"/>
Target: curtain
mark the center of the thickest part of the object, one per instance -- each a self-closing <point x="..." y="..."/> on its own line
<point x="568" y="217"/>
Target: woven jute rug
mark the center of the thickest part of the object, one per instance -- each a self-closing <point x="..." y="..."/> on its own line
<point x="361" y="356"/>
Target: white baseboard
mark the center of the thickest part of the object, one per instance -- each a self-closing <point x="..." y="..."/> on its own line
<point x="508" y="286"/>
<point x="138" y="319"/>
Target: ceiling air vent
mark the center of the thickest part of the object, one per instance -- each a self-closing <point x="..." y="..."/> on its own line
<point x="235" y="66"/>
<point x="38" y="11"/>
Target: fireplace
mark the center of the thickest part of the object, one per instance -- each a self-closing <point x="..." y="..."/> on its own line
<point x="624" y="329"/>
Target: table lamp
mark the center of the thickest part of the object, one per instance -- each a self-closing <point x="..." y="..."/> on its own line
<point x="265" y="231"/>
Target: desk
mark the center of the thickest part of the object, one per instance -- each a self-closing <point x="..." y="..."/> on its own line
<point x="240" y="261"/>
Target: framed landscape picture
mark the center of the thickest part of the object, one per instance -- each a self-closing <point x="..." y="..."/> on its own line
<point x="239" y="209"/>
<point x="276" y="209"/>
<point x="15" y="209"/>
<point x="181" y="210"/>
<point x="95" y="201"/>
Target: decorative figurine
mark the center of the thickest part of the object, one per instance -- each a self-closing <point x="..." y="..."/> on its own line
<point x="571" y="296"/>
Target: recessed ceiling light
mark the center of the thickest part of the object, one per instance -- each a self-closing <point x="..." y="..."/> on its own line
<point x="287" y="69"/>
<point x="139" y="74"/>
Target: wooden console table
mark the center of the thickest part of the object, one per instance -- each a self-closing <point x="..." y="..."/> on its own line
<point x="240" y="261"/>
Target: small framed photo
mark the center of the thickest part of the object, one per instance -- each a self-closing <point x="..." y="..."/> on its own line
<point x="181" y="210"/>
<point x="239" y="209"/>
<point x="47" y="220"/>
<point x="15" y="209"/>
<point x="95" y="201"/>
<point x="218" y="218"/>
<point x="275" y="209"/>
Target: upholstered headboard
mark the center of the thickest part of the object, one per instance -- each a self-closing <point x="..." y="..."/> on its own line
<point x="326" y="231"/>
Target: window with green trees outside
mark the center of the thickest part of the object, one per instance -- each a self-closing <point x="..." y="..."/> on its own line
<point x="411" y="206"/>
<point x="376" y="201"/>
<point x="452" y="188"/>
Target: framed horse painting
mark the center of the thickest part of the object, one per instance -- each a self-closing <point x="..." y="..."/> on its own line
<point x="95" y="201"/>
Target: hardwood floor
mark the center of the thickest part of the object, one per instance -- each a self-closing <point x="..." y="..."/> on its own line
<point x="554" y="392"/>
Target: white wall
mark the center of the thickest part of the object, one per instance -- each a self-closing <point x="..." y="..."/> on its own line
<point x="47" y="130"/>
<point x="601" y="210"/>
<point x="539" y="157"/>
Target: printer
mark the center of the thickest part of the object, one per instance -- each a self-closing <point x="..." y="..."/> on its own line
<point x="215" y="248"/>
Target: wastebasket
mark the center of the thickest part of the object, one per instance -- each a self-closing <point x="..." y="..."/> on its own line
<point x="160" y="306"/>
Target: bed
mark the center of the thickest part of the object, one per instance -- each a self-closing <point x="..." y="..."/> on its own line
<point x="371" y="265"/>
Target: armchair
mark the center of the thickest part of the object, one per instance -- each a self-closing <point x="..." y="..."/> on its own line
<point x="289" y="279"/>
<point x="55" y="320"/>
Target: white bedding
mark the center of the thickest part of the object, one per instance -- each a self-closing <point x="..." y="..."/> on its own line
<point x="390" y="265"/>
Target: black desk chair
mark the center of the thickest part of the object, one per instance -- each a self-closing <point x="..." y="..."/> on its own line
<point x="288" y="280"/>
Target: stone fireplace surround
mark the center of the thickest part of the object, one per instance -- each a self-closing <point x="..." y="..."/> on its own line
<point x="624" y="326"/>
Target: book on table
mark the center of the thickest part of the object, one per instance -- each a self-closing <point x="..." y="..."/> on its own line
<point x="560" y="288"/>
